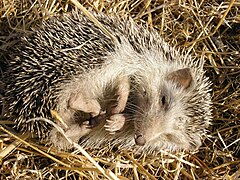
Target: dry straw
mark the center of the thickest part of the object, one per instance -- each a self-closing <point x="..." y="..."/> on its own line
<point x="206" y="29"/>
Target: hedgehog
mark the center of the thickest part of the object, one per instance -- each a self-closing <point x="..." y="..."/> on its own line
<point x="138" y="93"/>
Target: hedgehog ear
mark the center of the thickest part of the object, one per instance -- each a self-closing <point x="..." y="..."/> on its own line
<point x="182" y="77"/>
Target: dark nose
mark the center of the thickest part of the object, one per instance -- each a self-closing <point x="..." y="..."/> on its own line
<point x="140" y="140"/>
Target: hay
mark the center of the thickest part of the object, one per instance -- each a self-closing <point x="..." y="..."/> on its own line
<point x="206" y="29"/>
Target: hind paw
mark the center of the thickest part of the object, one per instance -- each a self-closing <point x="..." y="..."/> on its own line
<point x="80" y="102"/>
<point x="74" y="133"/>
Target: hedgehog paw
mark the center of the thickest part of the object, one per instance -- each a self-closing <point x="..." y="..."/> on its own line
<point x="74" y="133"/>
<point x="79" y="102"/>
<point x="115" y="123"/>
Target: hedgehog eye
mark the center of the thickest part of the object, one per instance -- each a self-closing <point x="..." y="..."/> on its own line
<point x="165" y="102"/>
<point x="164" y="99"/>
<point x="144" y="92"/>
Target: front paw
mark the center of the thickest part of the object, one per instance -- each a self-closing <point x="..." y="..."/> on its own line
<point x="115" y="123"/>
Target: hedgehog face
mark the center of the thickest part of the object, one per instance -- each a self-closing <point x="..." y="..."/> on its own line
<point x="161" y="118"/>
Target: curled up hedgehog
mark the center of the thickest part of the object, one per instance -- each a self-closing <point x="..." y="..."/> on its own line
<point x="138" y="93"/>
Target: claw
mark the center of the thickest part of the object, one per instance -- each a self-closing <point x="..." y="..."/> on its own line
<point x="115" y="123"/>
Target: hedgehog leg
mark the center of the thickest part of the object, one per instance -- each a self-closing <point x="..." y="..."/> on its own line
<point x="74" y="133"/>
<point x="92" y="106"/>
<point x="80" y="102"/>
<point x="77" y="127"/>
<point x="117" y="120"/>
<point x="122" y="92"/>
